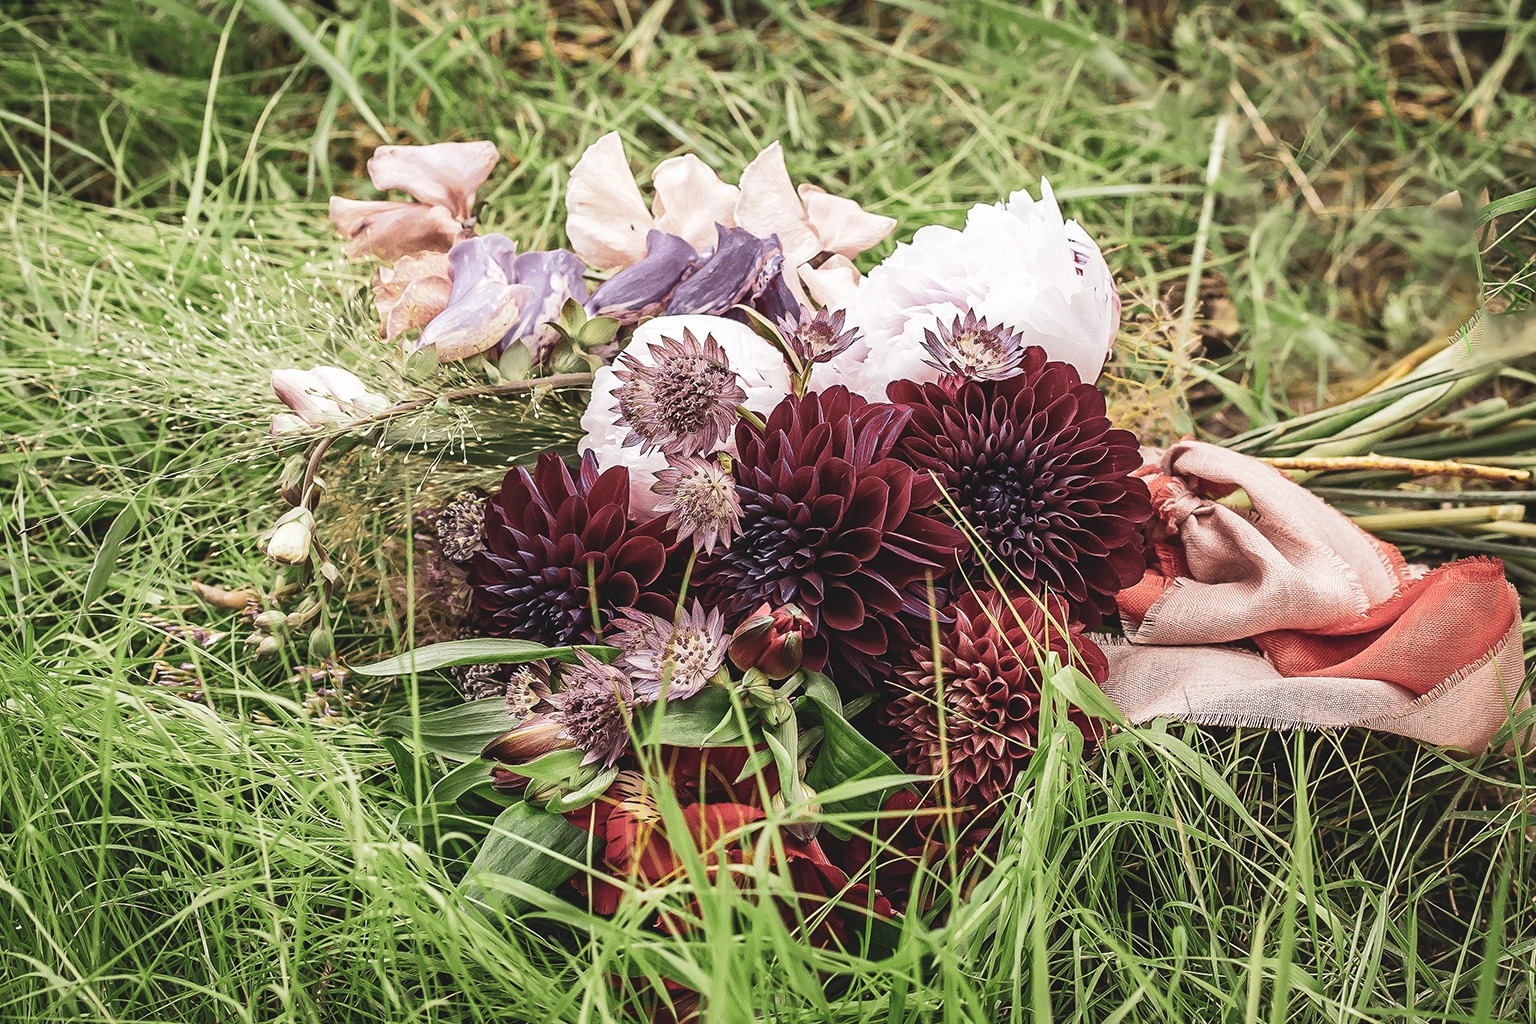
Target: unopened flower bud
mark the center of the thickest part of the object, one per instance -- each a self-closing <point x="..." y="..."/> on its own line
<point x="542" y="792"/>
<point x="803" y="826"/>
<point x="271" y="620"/>
<point x="269" y="646"/>
<point x="292" y="539"/>
<point x="322" y="645"/>
<point x="771" y="640"/>
<point x="284" y="423"/>
<point x="534" y="737"/>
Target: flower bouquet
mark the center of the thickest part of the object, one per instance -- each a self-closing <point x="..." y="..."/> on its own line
<point x="835" y="557"/>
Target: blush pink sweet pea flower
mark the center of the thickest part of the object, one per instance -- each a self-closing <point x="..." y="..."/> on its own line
<point x="443" y="177"/>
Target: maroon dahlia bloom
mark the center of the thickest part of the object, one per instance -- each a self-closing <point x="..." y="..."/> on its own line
<point x="1035" y="467"/>
<point x="992" y="658"/>
<point x="549" y="537"/>
<point x="829" y="522"/>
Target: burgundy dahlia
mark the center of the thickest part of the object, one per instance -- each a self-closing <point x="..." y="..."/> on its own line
<point x="549" y="537"/>
<point x="1033" y="464"/>
<point x="992" y="658"/>
<point x="829" y="522"/>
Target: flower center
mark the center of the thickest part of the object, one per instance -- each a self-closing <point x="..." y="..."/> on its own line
<point x="687" y="394"/>
<point x="705" y="498"/>
<point x="1008" y="501"/>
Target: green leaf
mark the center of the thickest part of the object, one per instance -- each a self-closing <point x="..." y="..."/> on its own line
<point x="279" y="13"/>
<point x="846" y="756"/>
<point x="704" y="720"/>
<point x="579" y="798"/>
<point x="422" y="364"/>
<point x="555" y="766"/>
<point x="598" y="331"/>
<point x="825" y="690"/>
<point x="1083" y="692"/>
<point x="477" y="652"/>
<point x="467" y="776"/>
<point x="529" y="845"/>
<point x="1508" y="204"/>
<point x="516" y="362"/>
<point x="458" y="733"/>
<point x="759" y="760"/>
<point x="106" y="556"/>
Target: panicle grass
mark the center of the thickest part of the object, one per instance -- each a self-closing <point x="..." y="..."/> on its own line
<point x="239" y="857"/>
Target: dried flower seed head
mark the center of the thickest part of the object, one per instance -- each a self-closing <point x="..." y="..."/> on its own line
<point x="701" y="496"/>
<point x="973" y="350"/>
<point x="687" y="655"/>
<point x="683" y="405"/>
<point x="819" y="338"/>
<point x="523" y="687"/>
<point x="593" y="705"/>
<point x="461" y="526"/>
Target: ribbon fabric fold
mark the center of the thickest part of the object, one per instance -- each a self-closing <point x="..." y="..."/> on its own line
<point x="1290" y="616"/>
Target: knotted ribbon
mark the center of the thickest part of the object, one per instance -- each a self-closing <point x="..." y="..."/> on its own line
<point x="1290" y="616"/>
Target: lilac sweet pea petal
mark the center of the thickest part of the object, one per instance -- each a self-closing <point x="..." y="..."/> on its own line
<point x="730" y="275"/>
<point x="642" y="290"/>
<point x="553" y="277"/>
<point x="484" y="302"/>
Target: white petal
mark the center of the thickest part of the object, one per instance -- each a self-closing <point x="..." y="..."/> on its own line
<point x="606" y="218"/>
<point x="841" y="224"/>
<point x="305" y="394"/>
<point x="343" y="385"/>
<point x="769" y="206"/>
<point x="444" y="174"/>
<point x="690" y="199"/>
<point x="833" y="284"/>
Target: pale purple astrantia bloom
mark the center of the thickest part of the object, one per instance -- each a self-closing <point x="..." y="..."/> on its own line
<point x="594" y="705"/>
<point x="701" y="497"/>
<point x="818" y="338"/>
<point x="686" y="655"/>
<point x="1018" y="264"/>
<point x="973" y="350"/>
<point x="643" y="289"/>
<point x="683" y="400"/>
<point x="759" y="368"/>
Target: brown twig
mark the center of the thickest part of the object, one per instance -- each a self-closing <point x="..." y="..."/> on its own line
<point x="1390" y="464"/>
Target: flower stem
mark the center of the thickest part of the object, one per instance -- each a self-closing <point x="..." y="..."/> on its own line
<point x="752" y="418"/>
<point x="597" y="626"/>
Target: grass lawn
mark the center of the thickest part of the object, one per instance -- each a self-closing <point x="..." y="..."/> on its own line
<point x="1288" y="189"/>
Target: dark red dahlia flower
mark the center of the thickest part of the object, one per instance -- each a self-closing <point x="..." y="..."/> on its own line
<point x="1035" y="467"/>
<point x="829" y="522"/>
<point x="992" y="658"/>
<point x="548" y="537"/>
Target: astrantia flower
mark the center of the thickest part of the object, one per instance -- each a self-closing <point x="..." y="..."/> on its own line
<point x="701" y="497"/>
<point x="521" y="687"/>
<point x="1017" y="264"/>
<point x="594" y="705"/>
<point x="680" y="401"/>
<point x="1035" y="467"/>
<point x="820" y="337"/>
<point x="759" y="368"/>
<point x="972" y="349"/>
<point x="992" y="660"/>
<point x="687" y="653"/>
<point x="547" y="535"/>
<point x="828" y="522"/>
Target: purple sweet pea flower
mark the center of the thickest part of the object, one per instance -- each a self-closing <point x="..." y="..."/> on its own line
<point x="643" y="289"/>
<point x="731" y="274"/>
<point x="554" y="276"/>
<point x="484" y="302"/>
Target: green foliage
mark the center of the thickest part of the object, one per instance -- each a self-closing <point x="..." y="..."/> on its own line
<point x="250" y="849"/>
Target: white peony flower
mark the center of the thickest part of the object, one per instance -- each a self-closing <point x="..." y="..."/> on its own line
<point x="758" y="366"/>
<point x="1016" y="263"/>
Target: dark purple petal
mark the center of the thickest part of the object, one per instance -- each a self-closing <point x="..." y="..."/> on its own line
<point x="643" y="289"/>
<point x="729" y="276"/>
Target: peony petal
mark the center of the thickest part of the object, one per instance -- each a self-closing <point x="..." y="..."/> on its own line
<point x="305" y="394"/>
<point x="833" y="284"/>
<point x="642" y="290"/>
<point x="483" y="304"/>
<point x="841" y="224"/>
<point x="553" y="277"/>
<point x="445" y="174"/>
<point x="392" y="230"/>
<point x="769" y="206"/>
<point x="606" y="218"/>
<point x="690" y="199"/>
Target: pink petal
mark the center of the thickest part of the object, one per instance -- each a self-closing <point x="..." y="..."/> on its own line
<point x="606" y="218"/>
<point x="769" y="206"/>
<point x="305" y="394"/>
<point x="690" y="199"/>
<point x="392" y="230"/>
<point x="418" y="306"/>
<point x="833" y="284"/>
<point x="446" y="174"/>
<point x="412" y="292"/>
<point x="841" y="224"/>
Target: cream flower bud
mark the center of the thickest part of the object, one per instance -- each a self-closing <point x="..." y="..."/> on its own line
<point x="293" y="538"/>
